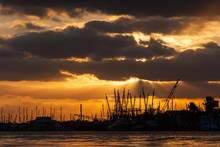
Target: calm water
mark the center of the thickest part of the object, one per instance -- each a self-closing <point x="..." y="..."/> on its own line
<point x="67" y="139"/>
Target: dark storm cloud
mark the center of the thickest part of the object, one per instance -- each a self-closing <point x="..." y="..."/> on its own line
<point x="30" y="69"/>
<point x="17" y="64"/>
<point x="35" y="11"/>
<point x="2" y="40"/>
<point x="74" y="42"/>
<point x="148" y="25"/>
<point x="118" y="7"/>
<point x="199" y="65"/>
<point x="7" y="53"/>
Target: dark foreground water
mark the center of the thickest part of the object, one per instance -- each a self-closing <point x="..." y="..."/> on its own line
<point x="66" y="139"/>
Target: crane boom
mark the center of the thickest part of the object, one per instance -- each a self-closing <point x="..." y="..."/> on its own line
<point x="166" y="105"/>
<point x="172" y="91"/>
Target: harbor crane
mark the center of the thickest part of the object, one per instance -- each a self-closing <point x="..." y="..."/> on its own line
<point x="170" y="96"/>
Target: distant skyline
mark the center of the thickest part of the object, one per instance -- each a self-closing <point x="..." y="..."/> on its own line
<point x="53" y="51"/>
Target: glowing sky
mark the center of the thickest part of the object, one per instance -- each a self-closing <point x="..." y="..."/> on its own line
<point x="69" y="52"/>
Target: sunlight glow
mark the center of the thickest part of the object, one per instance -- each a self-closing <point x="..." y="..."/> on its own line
<point x="91" y="79"/>
<point x="214" y="82"/>
<point x="141" y="60"/>
<point x="79" y="60"/>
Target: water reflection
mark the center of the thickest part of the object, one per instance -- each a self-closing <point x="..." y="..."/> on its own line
<point x="64" y="139"/>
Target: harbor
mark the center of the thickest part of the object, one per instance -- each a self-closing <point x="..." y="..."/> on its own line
<point x="127" y="113"/>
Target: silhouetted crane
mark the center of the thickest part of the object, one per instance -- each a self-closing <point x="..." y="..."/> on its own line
<point x="170" y="96"/>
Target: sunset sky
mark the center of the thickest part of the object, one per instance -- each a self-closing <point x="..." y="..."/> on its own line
<point x="67" y="52"/>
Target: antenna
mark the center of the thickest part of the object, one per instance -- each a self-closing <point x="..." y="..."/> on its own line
<point x="153" y="98"/>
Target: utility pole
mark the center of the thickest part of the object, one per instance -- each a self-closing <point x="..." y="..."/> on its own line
<point x="109" y="108"/>
<point x="81" y="112"/>
<point x="19" y="114"/>
<point x="153" y="98"/>
<point x="103" y="111"/>
<point x="61" y="113"/>
<point x="2" y="119"/>
<point x="140" y="101"/>
<point x="36" y="109"/>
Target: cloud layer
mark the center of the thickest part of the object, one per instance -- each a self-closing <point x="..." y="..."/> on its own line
<point x="117" y="7"/>
<point x="27" y="58"/>
<point x="82" y="43"/>
<point x="114" y="40"/>
<point x="150" y="25"/>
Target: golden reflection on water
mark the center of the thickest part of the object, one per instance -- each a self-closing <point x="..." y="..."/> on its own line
<point x="66" y="139"/>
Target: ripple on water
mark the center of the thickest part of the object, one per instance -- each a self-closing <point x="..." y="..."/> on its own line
<point x="64" y="139"/>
